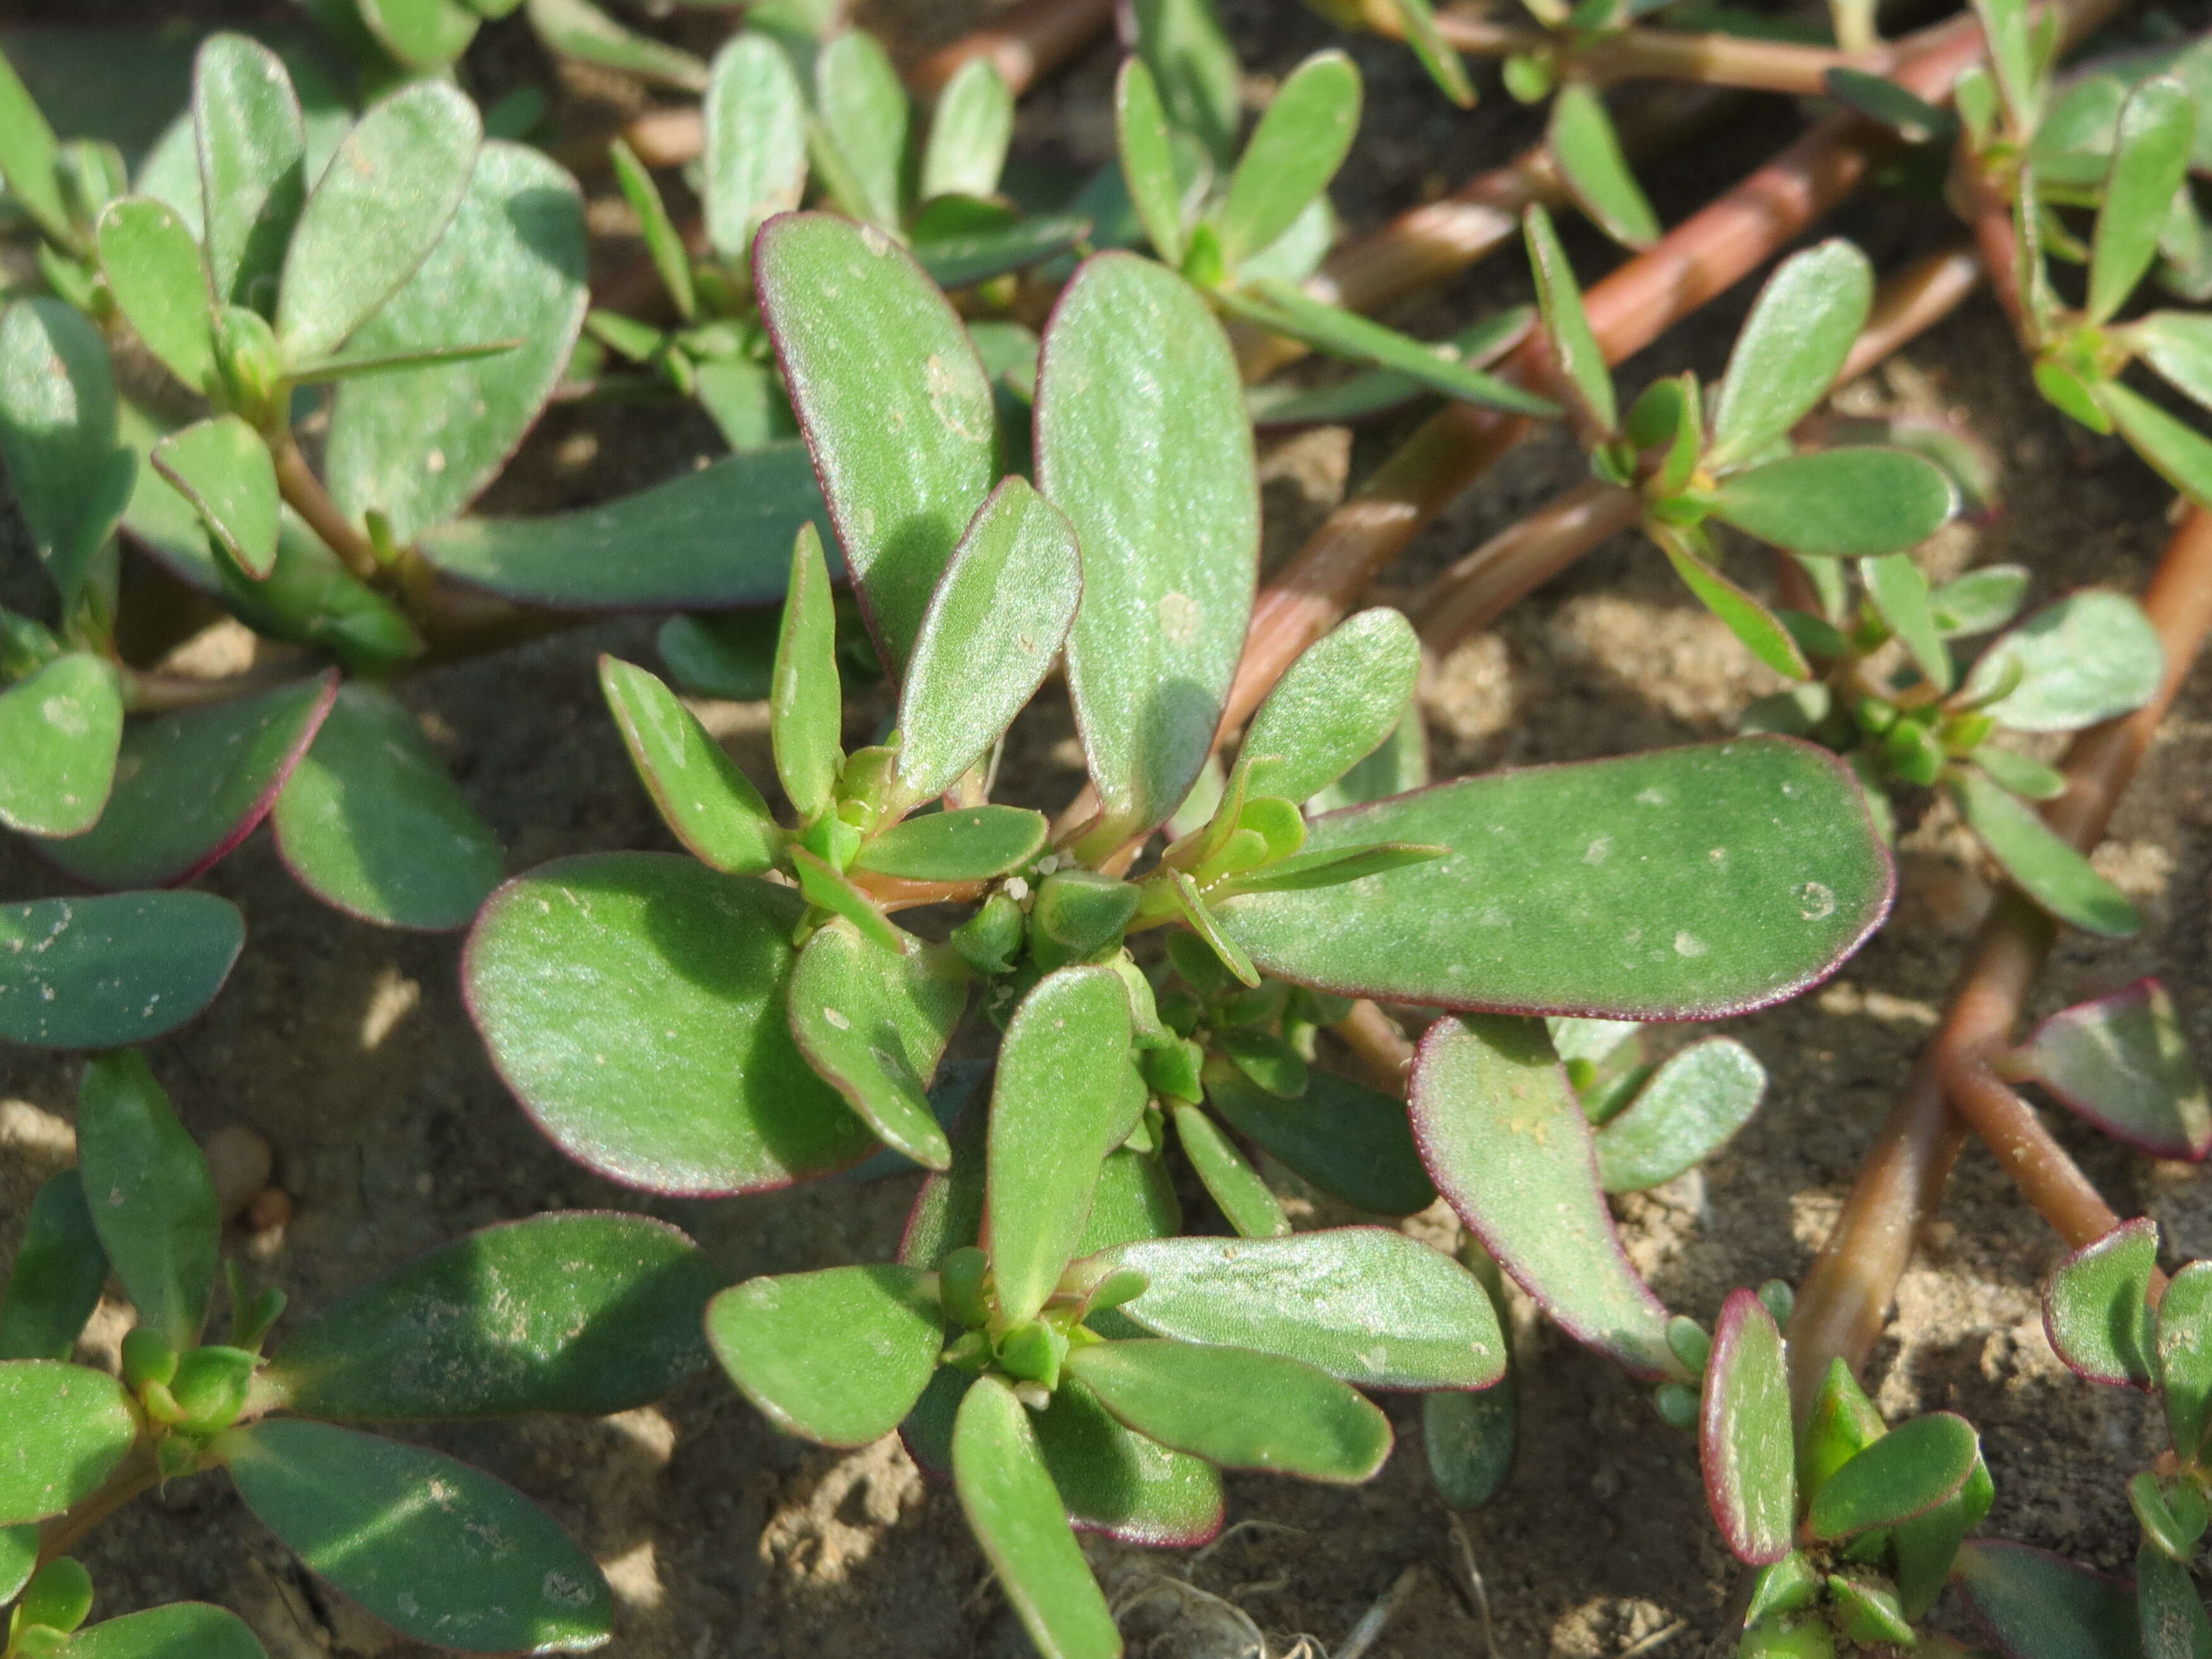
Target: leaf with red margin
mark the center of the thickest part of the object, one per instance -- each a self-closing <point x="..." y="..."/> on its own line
<point x="2123" y="1063"/>
<point x="1745" y="1443"/>
<point x="2034" y="1605"/>
<point x="2096" y="1307"/>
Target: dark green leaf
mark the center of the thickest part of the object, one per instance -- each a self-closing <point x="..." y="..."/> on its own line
<point x="1908" y="1472"/>
<point x="152" y="268"/>
<point x="1507" y="1142"/>
<point x="2090" y="657"/>
<point x="895" y="403"/>
<point x="2046" y="866"/>
<point x="1148" y="169"/>
<point x="1251" y="1210"/>
<point x="710" y="804"/>
<point x="59" y="729"/>
<point x="1791" y="349"/>
<point x="2096" y="1307"/>
<point x="1763" y="633"/>
<point x="1926" y="1545"/>
<point x="1575" y="352"/>
<point x="838" y="1356"/>
<point x="98" y="973"/>
<point x="2176" y="452"/>
<point x="1840" y="503"/>
<point x="634" y="1003"/>
<point x="1744" y="1440"/>
<point x="1141" y="441"/>
<point x="1400" y="764"/>
<point x="864" y="122"/>
<point x="182" y="1627"/>
<point x="2150" y="159"/>
<point x="576" y="28"/>
<point x="1198" y="1398"/>
<point x="1901" y="597"/>
<point x="30" y="158"/>
<point x="1470" y="1439"/>
<point x="1135" y="1200"/>
<point x="959" y="258"/>
<point x="1342" y="1136"/>
<point x="1012" y="1507"/>
<point x="1691" y="1107"/>
<point x="756" y="145"/>
<point x="730" y="655"/>
<point x="1587" y="150"/>
<point x="440" y="1550"/>
<point x="2123" y="1063"/>
<point x="573" y="1312"/>
<point x="2169" y="1607"/>
<point x="1880" y="99"/>
<point x="874" y="1023"/>
<point x="1123" y="1484"/>
<point x="252" y="141"/>
<point x="223" y="469"/>
<point x="1293" y="153"/>
<point x="967" y="843"/>
<point x="57" y="414"/>
<point x="2035" y="1605"/>
<point x="423" y="34"/>
<point x="2185" y="1358"/>
<point x="663" y="243"/>
<point x="152" y="1199"/>
<point x="54" y="1286"/>
<point x="67" y="1428"/>
<point x="193" y="786"/>
<point x="1266" y="1060"/>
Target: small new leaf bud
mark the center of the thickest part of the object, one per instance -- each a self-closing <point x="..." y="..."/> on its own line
<point x="1174" y="1072"/>
<point x="1677" y="1403"/>
<point x="248" y="368"/>
<point x="147" y="1358"/>
<point x="963" y="1286"/>
<point x="1078" y="916"/>
<point x="1033" y="1353"/>
<point x="1779" y="1299"/>
<point x="176" y="1455"/>
<point x="988" y="940"/>
<point x="1691" y="1345"/>
<point x="210" y="1386"/>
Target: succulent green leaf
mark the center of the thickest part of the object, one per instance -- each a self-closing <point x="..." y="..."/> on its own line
<point x="1148" y="170"/>
<point x="2169" y="1607"/>
<point x="703" y="796"/>
<point x="1198" y="1398"/>
<point x="1182" y="43"/>
<point x="1135" y="1199"/>
<point x="1792" y="347"/>
<point x="55" y="1284"/>
<point x="2185" y="1358"/>
<point x="993" y="630"/>
<point x="1840" y="1423"/>
<point x="2150" y="159"/>
<point x="896" y="406"/>
<point x="181" y="1627"/>
<point x="1926" y="1545"/>
<point x="438" y="1550"/>
<point x="252" y="140"/>
<point x="1119" y="1483"/>
<point x="1880" y="98"/>
<point x="1763" y="633"/>
<point x="2046" y="866"/>
<point x="1200" y="914"/>
<point x="1507" y="1142"/>
<point x="1141" y="441"/>
<point x="2091" y="656"/>
<point x="2096" y="1307"/>
<point x="968" y="132"/>
<point x="579" y="29"/>
<point x="1294" y="151"/>
<point x="1593" y="889"/>
<point x="1368" y="1305"/>
<point x="60" y="729"/>
<point x="960" y="253"/>
<point x="152" y="1199"/>
<point x="30" y="158"/>
<point x="1006" y="1492"/>
<point x="423" y="34"/>
<point x="663" y="243"/>
<point x="153" y="267"/>
<point x="2123" y="1063"/>
<point x="1342" y="1136"/>
<point x="1587" y="150"/>
<point x="1061" y="1102"/>
<point x="864" y="120"/>
<point x="1744" y="1444"/>
<point x="194" y="785"/>
<point x="570" y="1311"/>
<point x="730" y="655"/>
<point x="1379" y="391"/>
<point x="1417" y="19"/>
<point x="1575" y="352"/>
<point x="805" y="714"/>
<point x="98" y="973"/>
<point x="2035" y="1605"/>
<point x="378" y="210"/>
<point x="1470" y="1438"/>
<point x="1243" y="1199"/>
<point x="1400" y="765"/>
<point x="1906" y="1472"/>
<point x="874" y="1023"/>
<point x="719" y="536"/>
<point x="1692" y="1104"/>
<point x="2021" y="774"/>
<point x="222" y="467"/>
<point x="634" y="1004"/>
<point x="838" y="1356"/>
<point x="830" y="889"/>
<point x="1981" y="600"/>
<point x="2176" y="452"/>
<point x="968" y="843"/>
<point x="68" y="1427"/>
<point x="57" y="414"/>
<point x="1901" y="599"/>
<point x="756" y="142"/>
<point x="2179" y="345"/>
<point x="1856" y="503"/>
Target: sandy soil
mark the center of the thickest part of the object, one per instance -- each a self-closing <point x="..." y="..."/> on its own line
<point x="347" y="1047"/>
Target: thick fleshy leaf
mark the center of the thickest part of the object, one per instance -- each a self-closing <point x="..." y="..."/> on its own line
<point x="58" y="412"/>
<point x="378" y="209"/>
<point x="711" y="805"/>
<point x="2150" y="159"/>
<point x="968" y="843"/>
<point x="1400" y="764"/>
<point x="252" y="140"/>
<point x="1763" y="633"/>
<point x="716" y="538"/>
<point x="1855" y="502"/>
<point x="1199" y="1400"/>
<point x="440" y="1550"/>
<point x="1927" y="1546"/>
<point x="1981" y="600"/>
<point x="1061" y="1102"/>
<point x="573" y="1311"/>
<point x="1342" y="1136"/>
<point x="1908" y="1472"/>
<point x="896" y="406"/>
<point x="67" y="1427"/>
<point x="2034" y="1605"/>
<point x="962" y="255"/>
<point x="732" y="655"/>
<point x="1367" y="1306"/>
<point x="1121" y="1483"/>
<point x="192" y="786"/>
<point x="30" y="157"/>
<point x="756" y="144"/>
<point x="55" y="1285"/>
<point x="1900" y="597"/>
<point x="2089" y="657"/>
<point x="1141" y="441"/>
<point x="1697" y="881"/>
<point x="152" y="1201"/>
<point x="579" y="29"/>
<point x="155" y="272"/>
<point x="98" y="973"/>
<point x="19" y="1557"/>
<point x="864" y="125"/>
<point x="1379" y="391"/>
<point x="1506" y="1142"/>
<point x="60" y="729"/>
<point x="1190" y="56"/>
<point x="831" y="890"/>
<point x="1236" y="1188"/>
<point x="991" y="632"/>
<point x="182" y="1627"/>
<point x="1293" y="153"/>
<point x="1588" y="152"/>
<point x="1575" y="352"/>
<point x="1007" y="1494"/>
<point x="2185" y="1358"/>
<point x="2021" y="774"/>
<point x="875" y="1025"/>
<point x="634" y="1004"/>
<point x="1135" y="1199"/>
<point x="805" y="714"/>
<point x="1470" y="1439"/>
<point x="838" y="1356"/>
<point x="2096" y="1307"/>
<point x="2046" y="866"/>
<point x="2169" y="1607"/>
<point x="968" y="132"/>
<point x="418" y="445"/>
<point x="2177" y="452"/>
<point x="1744" y="1444"/>
<point x="2179" y="345"/>
<point x="1791" y="349"/>
<point x="2123" y="1063"/>
<point x="423" y="34"/>
<point x="223" y="469"/>
<point x="1702" y="1095"/>
<point x="1148" y="170"/>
